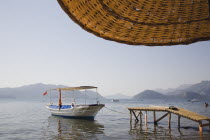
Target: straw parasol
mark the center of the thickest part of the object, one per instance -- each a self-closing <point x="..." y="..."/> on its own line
<point x="143" y="22"/>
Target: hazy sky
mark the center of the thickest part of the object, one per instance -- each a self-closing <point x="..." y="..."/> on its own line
<point x="39" y="43"/>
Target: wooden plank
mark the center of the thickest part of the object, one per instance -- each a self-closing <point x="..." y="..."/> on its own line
<point x="189" y="114"/>
<point x="209" y="6"/>
<point x="161" y="117"/>
<point x="149" y="108"/>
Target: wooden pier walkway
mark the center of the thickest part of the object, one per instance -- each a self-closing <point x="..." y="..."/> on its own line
<point x="180" y="112"/>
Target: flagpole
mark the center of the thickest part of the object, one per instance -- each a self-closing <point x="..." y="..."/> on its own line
<point x="50" y="98"/>
<point x="60" y="102"/>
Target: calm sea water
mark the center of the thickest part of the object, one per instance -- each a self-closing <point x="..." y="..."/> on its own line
<point x="28" y="119"/>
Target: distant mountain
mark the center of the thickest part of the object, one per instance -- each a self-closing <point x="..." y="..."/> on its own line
<point x="118" y="96"/>
<point x="189" y="91"/>
<point x="190" y="95"/>
<point x="37" y="90"/>
<point x="171" y="90"/>
<point x="149" y="94"/>
<point x="27" y="91"/>
<point x="202" y="88"/>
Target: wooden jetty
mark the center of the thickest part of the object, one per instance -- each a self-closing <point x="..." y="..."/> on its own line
<point x="180" y="112"/>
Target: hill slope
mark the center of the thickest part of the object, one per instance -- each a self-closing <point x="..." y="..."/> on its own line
<point x="149" y="94"/>
<point x="37" y="90"/>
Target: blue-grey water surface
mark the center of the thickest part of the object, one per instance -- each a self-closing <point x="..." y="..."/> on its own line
<point x="29" y="119"/>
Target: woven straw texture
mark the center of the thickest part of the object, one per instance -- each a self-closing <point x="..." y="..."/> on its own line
<point x="143" y="22"/>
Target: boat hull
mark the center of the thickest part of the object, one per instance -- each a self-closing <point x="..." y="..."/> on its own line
<point x="77" y="111"/>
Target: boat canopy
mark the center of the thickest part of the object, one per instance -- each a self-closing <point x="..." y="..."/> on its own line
<point x="75" y="88"/>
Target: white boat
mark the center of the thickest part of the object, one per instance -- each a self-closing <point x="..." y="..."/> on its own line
<point x="115" y="100"/>
<point x="82" y="111"/>
<point x="193" y="100"/>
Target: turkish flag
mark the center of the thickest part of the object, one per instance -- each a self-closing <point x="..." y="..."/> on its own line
<point x="45" y="93"/>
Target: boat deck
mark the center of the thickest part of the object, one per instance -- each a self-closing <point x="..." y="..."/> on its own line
<point x="137" y="111"/>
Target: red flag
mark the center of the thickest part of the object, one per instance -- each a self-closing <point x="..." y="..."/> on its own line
<point x="45" y="93"/>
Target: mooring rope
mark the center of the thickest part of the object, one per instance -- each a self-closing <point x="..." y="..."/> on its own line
<point x="115" y="110"/>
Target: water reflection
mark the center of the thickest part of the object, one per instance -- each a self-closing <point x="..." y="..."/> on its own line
<point x="150" y="131"/>
<point x="63" y="128"/>
<point x="155" y="131"/>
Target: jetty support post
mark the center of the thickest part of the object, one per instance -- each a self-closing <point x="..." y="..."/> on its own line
<point x="154" y="118"/>
<point x="200" y="127"/>
<point x="136" y="116"/>
<point x="140" y="114"/>
<point x="145" y="118"/>
<point x="130" y="116"/>
<point x="205" y="124"/>
<point x="169" y="120"/>
<point x="209" y="125"/>
<point x="179" y="121"/>
<point x="130" y="120"/>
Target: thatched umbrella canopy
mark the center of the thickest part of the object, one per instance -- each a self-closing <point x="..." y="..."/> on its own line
<point x="143" y="22"/>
